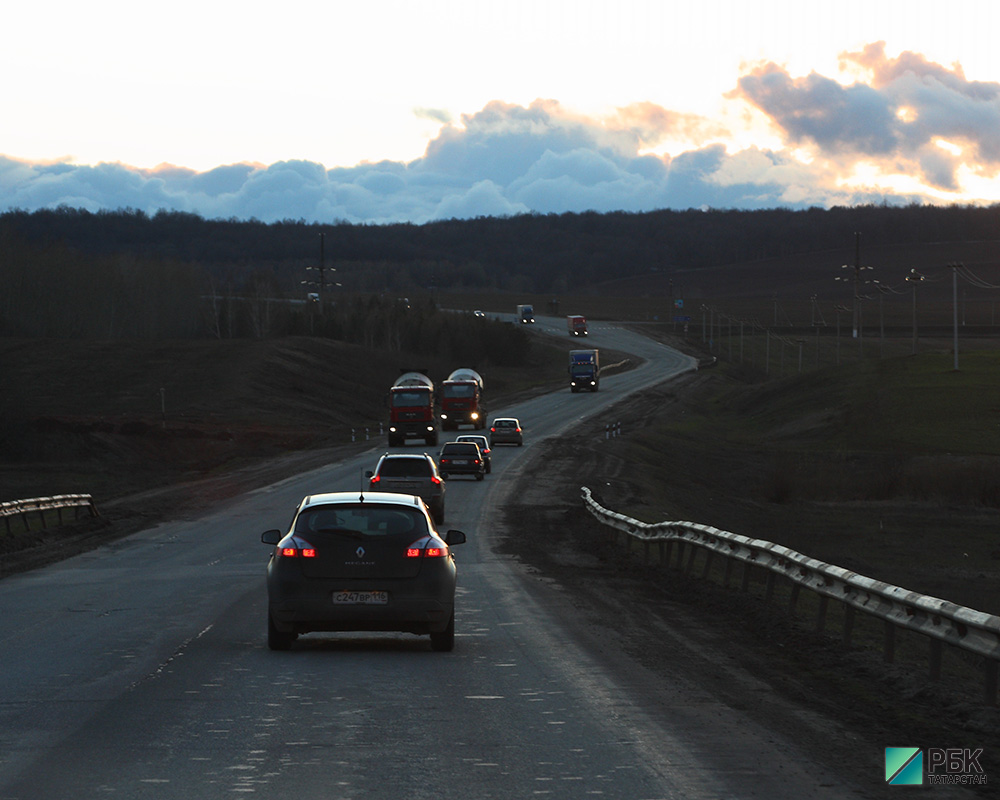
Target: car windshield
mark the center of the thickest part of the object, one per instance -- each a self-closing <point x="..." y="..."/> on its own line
<point x="459" y="390"/>
<point x="505" y="423"/>
<point x="480" y="440"/>
<point x="361" y="520"/>
<point x="405" y="468"/>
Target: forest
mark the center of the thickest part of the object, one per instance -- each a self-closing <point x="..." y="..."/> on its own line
<point x="72" y="273"/>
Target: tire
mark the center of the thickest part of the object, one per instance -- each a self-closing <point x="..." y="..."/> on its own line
<point x="439" y="515"/>
<point x="278" y="640"/>
<point x="444" y="642"/>
<point x="480" y="476"/>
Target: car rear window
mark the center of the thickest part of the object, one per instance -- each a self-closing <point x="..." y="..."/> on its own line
<point x="361" y="519"/>
<point x="459" y="448"/>
<point x="405" y="468"/>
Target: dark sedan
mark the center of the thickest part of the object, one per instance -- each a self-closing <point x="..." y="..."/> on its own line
<point x="361" y="562"/>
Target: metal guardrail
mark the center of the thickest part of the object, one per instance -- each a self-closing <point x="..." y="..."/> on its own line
<point x="942" y="621"/>
<point x="40" y="505"/>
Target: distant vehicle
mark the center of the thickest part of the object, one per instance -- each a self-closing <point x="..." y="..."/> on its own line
<point x="484" y="447"/>
<point x="576" y="325"/>
<point x="462" y="400"/>
<point x="526" y="313"/>
<point x="361" y="562"/>
<point x="584" y="370"/>
<point x="406" y="473"/>
<point x="411" y="409"/>
<point x="313" y="297"/>
<point x="506" y="430"/>
<point x="461" y="458"/>
<point x="478" y="313"/>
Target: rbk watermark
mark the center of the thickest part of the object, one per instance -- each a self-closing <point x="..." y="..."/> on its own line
<point x="913" y="766"/>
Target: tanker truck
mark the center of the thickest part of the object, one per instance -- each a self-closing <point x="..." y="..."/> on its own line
<point x="462" y="400"/>
<point x="411" y="409"/>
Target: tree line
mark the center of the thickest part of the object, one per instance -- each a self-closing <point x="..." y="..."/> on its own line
<point x="127" y="274"/>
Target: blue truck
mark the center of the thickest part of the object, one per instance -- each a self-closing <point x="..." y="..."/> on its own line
<point x="584" y="370"/>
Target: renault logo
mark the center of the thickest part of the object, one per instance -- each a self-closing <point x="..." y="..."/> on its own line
<point x="360" y="552"/>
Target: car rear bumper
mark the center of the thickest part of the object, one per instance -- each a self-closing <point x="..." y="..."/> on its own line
<point x="304" y="607"/>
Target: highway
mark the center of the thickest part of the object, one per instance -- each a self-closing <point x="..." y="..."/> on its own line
<point x="140" y="670"/>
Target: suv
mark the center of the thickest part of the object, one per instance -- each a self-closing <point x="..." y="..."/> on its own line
<point x="484" y="447"/>
<point x="506" y="430"/>
<point x="410" y="474"/>
<point x="462" y="458"/>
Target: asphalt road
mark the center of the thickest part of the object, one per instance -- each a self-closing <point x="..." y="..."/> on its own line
<point x="140" y="670"/>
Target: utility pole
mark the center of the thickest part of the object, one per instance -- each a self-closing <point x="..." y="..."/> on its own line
<point x="857" y="283"/>
<point x="954" y="304"/>
<point x="914" y="278"/>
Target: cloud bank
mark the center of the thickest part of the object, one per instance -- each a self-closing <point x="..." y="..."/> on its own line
<point x="907" y="117"/>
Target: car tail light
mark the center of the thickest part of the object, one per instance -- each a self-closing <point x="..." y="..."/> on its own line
<point x="428" y="547"/>
<point x="374" y="479"/>
<point x="297" y="548"/>
<point x="435" y="479"/>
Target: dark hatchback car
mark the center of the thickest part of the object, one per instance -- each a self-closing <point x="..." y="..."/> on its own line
<point x="462" y="458"/>
<point x="361" y="562"/>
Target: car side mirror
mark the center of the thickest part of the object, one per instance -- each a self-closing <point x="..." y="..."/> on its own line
<point x="271" y="537"/>
<point x="454" y="537"/>
<point x="369" y="473"/>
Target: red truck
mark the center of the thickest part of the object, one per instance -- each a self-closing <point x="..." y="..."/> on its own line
<point x="462" y="400"/>
<point x="576" y="325"/>
<point x="411" y="409"/>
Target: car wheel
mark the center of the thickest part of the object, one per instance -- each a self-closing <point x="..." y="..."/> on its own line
<point x="439" y="516"/>
<point x="480" y="476"/>
<point x="444" y="642"/>
<point x="278" y="640"/>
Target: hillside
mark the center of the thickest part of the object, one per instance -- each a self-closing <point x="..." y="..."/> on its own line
<point x="109" y="418"/>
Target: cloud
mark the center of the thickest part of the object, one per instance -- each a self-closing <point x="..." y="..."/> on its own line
<point x="903" y="116"/>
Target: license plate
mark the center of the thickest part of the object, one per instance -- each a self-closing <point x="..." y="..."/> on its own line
<point x="405" y="485"/>
<point x="460" y="461"/>
<point x="374" y="598"/>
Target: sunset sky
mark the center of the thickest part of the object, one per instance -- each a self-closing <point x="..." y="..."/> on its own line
<point x="394" y="110"/>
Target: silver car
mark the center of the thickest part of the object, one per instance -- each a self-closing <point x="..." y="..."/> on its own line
<point x="369" y="561"/>
<point x="506" y="430"/>
<point x="408" y="473"/>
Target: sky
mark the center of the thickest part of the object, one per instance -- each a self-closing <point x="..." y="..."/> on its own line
<point x="400" y="110"/>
